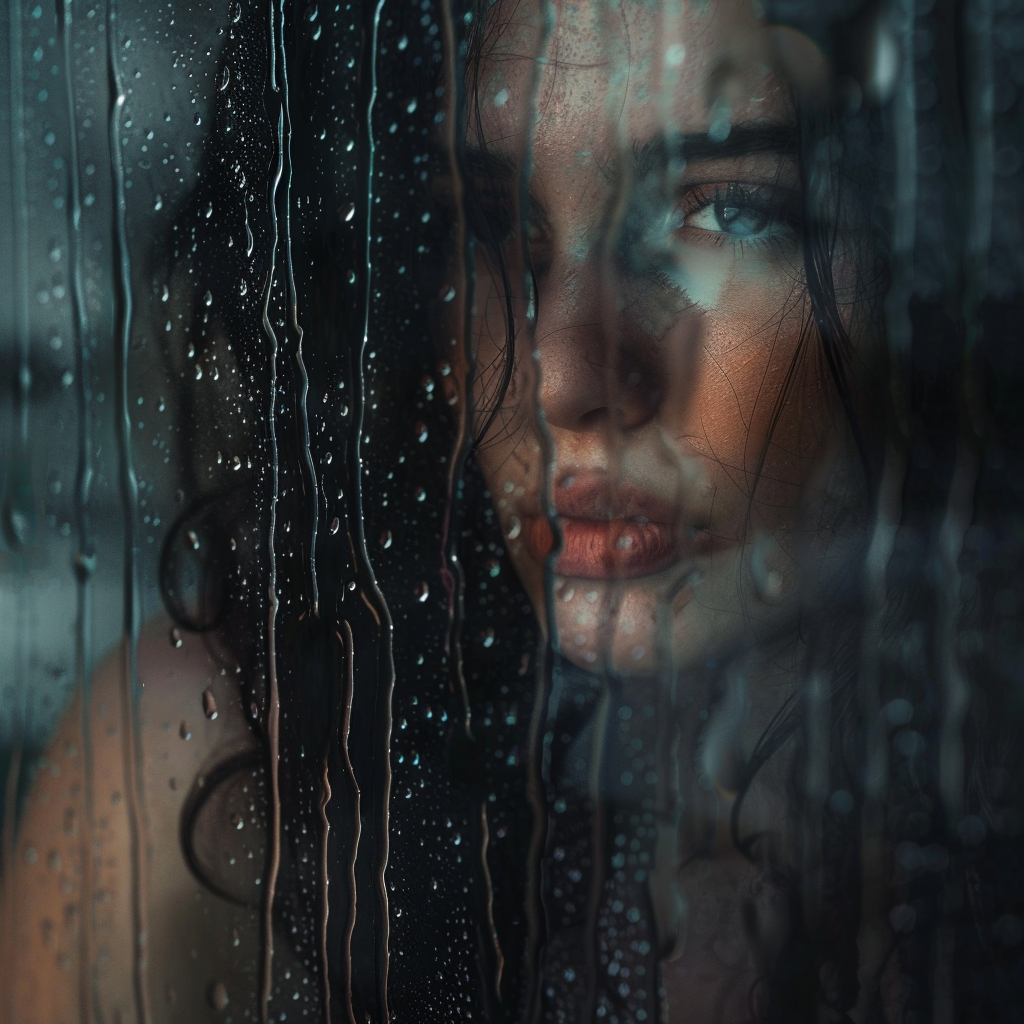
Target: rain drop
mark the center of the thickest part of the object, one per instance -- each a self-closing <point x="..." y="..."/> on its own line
<point x="184" y="731"/>
<point x="421" y="432"/>
<point x="198" y="120"/>
<point x="225" y="77"/>
<point x="209" y="704"/>
<point x="335" y="525"/>
<point x="219" y="996"/>
<point x="176" y="640"/>
<point x="385" y="539"/>
<point x="421" y="592"/>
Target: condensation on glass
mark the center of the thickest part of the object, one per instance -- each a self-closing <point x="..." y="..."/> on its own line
<point x="509" y="511"/>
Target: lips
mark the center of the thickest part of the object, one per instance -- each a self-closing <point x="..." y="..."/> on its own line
<point x="613" y="533"/>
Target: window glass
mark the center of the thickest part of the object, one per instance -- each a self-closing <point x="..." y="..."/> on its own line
<point x="509" y="511"/>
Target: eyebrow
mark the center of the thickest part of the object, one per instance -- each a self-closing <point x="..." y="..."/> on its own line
<point x="655" y="154"/>
<point x="742" y="140"/>
<point x="693" y="147"/>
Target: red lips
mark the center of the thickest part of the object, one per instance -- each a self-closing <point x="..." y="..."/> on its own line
<point x="612" y="532"/>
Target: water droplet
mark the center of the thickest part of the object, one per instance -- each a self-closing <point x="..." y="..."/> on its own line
<point x="349" y="213"/>
<point x="421" y="591"/>
<point x="198" y="120"/>
<point x="209" y="704"/>
<point x="225" y="77"/>
<point x="335" y="525"/>
<point x="493" y="567"/>
<point x="193" y="538"/>
<point x="158" y="202"/>
<point x="515" y="527"/>
<point x="419" y="494"/>
<point x="85" y="565"/>
<point x="237" y="821"/>
<point x="421" y="432"/>
<point x="208" y="299"/>
<point x="410" y="107"/>
<point x="209" y="210"/>
<point x="675" y="55"/>
<point x="385" y="539"/>
<point x="235" y="11"/>
<point x="183" y="730"/>
<point x="403" y="42"/>
<point x="219" y="996"/>
<point x="176" y="640"/>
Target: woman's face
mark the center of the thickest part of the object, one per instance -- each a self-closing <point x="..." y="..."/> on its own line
<point x="667" y="400"/>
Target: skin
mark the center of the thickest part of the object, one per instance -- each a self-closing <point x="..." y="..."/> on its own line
<point x="661" y="375"/>
<point x="689" y="377"/>
<point x="52" y="889"/>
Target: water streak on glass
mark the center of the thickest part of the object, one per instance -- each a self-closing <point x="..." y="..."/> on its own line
<point x="293" y="309"/>
<point x="872" y="937"/>
<point x="85" y="556"/>
<point x="273" y="711"/>
<point x="377" y="606"/>
<point x="544" y="701"/>
<point x="357" y="817"/>
<point x="132" y="686"/>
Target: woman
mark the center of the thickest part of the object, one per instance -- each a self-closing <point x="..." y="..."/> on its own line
<point x="682" y="487"/>
<point x="663" y="331"/>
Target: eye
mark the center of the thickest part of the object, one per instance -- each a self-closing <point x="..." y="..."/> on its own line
<point x="740" y="213"/>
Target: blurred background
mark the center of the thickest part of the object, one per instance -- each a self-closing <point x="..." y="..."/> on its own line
<point x="62" y="321"/>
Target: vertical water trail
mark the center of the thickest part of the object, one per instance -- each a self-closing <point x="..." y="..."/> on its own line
<point x="451" y="571"/>
<point x="134" y="763"/>
<point x="540" y="733"/>
<point x="85" y="556"/>
<point x="325" y="903"/>
<point x="346" y="728"/>
<point x="19" y="219"/>
<point x="618" y="57"/>
<point x="13" y="511"/>
<point x="598" y="857"/>
<point x="873" y="939"/>
<point x="273" y="708"/>
<point x="378" y="606"/>
<point x="293" y="310"/>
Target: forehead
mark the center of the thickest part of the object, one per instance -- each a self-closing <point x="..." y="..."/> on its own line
<point x="626" y="71"/>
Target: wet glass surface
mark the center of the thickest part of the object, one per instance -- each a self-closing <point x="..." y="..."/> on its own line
<point x="511" y="511"/>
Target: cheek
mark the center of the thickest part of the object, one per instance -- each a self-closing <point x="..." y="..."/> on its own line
<point x="757" y="394"/>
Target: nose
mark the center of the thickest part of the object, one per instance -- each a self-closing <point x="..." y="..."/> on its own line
<point x="599" y="367"/>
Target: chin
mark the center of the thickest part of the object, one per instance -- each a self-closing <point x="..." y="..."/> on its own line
<point x="688" y="618"/>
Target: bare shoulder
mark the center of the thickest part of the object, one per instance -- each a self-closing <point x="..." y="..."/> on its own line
<point x="100" y="859"/>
